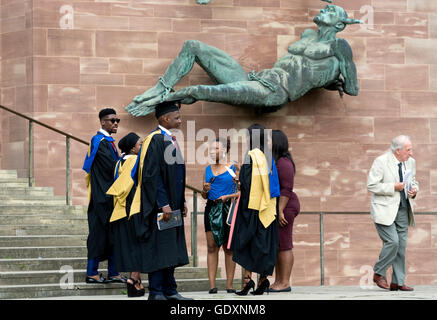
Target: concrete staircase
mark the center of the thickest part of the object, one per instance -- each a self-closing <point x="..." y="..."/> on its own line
<point x="43" y="247"/>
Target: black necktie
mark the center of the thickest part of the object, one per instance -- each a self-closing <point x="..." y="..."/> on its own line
<point x="401" y="179"/>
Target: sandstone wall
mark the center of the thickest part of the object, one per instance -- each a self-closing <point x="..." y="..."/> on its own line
<point x="62" y="69"/>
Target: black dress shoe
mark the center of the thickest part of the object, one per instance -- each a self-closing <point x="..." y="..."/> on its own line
<point x="122" y="279"/>
<point x="212" y="291"/>
<point x="177" y="296"/>
<point x="156" y="297"/>
<point x="93" y="280"/>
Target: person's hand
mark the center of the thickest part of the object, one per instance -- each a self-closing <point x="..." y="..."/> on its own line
<point x="206" y="187"/>
<point x="237" y="182"/>
<point x="185" y="211"/>
<point x="399" y="186"/>
<point x="222" y="199"/>
<point x="412" y="193"/>
<point x="282" y="221"/>
<point x="166" y="216"/>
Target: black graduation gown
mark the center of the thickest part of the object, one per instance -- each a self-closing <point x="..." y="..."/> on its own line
<point x="127" y="248"/>
<point x="166" y="248"/>
<point x="254" y="247"/>
<point x="101" y="205"/>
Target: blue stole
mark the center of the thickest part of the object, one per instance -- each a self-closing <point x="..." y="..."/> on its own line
<point x="275" y="190"/>
<point x="95" y="142"/>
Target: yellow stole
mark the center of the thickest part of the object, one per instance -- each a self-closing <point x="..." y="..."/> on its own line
<point x="121" y="188"/>
<point x="259" y="198"/>
<point x="136" y="203"/>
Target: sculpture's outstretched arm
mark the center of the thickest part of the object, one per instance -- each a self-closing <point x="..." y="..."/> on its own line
<point x="343" y="52"/>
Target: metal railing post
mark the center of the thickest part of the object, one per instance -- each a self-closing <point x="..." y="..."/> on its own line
<point x="322" y="250"/>
<point x="67" y="174"/>
<point x="194" y="230"/>
<point x="30" y="169"/>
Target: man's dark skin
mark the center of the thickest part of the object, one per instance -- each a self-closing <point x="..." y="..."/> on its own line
<point x="107" y="124"/>
<point x="171" y="120"/>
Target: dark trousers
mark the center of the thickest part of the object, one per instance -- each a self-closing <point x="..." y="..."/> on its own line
<point x="162" y="282"/>
<point x="93" y="266"/>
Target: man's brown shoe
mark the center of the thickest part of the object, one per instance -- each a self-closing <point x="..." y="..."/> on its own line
<point x="395" y="287"/>
<point x="381" y="281"/>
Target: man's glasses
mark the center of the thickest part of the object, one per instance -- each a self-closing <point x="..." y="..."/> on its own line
<point x="113" y="120"/>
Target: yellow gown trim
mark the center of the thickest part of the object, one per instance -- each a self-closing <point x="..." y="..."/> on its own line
<point x="121" y="188"/>
<point x="136" y="203"/>
<point x="259" y="198"/>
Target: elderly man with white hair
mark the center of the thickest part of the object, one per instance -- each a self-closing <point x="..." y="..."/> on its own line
<point x="392" y="182"/>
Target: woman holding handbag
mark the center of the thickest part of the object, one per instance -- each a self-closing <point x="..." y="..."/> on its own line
<point x="219" y="189"/>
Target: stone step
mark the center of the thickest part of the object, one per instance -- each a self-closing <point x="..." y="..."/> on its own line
<point x="35" y="219"/>
<point x="43" y="252"/>
<point x="26" y="198"/>
<point x="40" y="264"/>
<point x="66" y="274"/>
<point x="25" y="208"/>
<point x="25" y="191"/>
<point x="43" y="240"/>
<point x="8" y="174"/>
<point x="33" y="201"/>
<point x="79" y="228"/>
<point x="14" y="182"/>
<point x="84" y="289"/>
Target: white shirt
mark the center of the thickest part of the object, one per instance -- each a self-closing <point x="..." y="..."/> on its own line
<point x="167" y="132"/>
<point x="104" y="132"/>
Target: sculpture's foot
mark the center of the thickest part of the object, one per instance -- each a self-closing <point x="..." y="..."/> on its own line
<point x="150" y="94"/>
<point x="143" y="108"/>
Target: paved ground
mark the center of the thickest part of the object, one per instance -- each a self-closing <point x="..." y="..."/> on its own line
<point x="299" y="293"/>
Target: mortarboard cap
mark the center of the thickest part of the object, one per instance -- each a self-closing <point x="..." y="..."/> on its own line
<point x="166" y="107"/>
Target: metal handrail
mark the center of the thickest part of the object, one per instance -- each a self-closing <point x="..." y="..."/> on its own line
<point x="322" y="232"/>
<point x="67" y="143"/>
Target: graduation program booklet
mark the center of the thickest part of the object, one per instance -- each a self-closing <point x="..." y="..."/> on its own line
<point x="175" y="220"/>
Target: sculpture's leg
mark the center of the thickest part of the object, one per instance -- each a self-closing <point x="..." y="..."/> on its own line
<point x="250" y="93"/>
<point x="221" y="67"/>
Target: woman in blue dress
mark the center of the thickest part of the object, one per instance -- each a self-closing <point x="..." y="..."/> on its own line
<point x="219" y="188"/>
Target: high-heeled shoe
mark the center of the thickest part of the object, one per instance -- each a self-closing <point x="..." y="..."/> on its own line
<point x="132" y="291"/>
<point x="247" y="287"/>
<point x="263" y="286"/>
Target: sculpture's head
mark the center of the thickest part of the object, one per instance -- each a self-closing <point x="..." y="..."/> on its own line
<point x="334" y="16"/>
